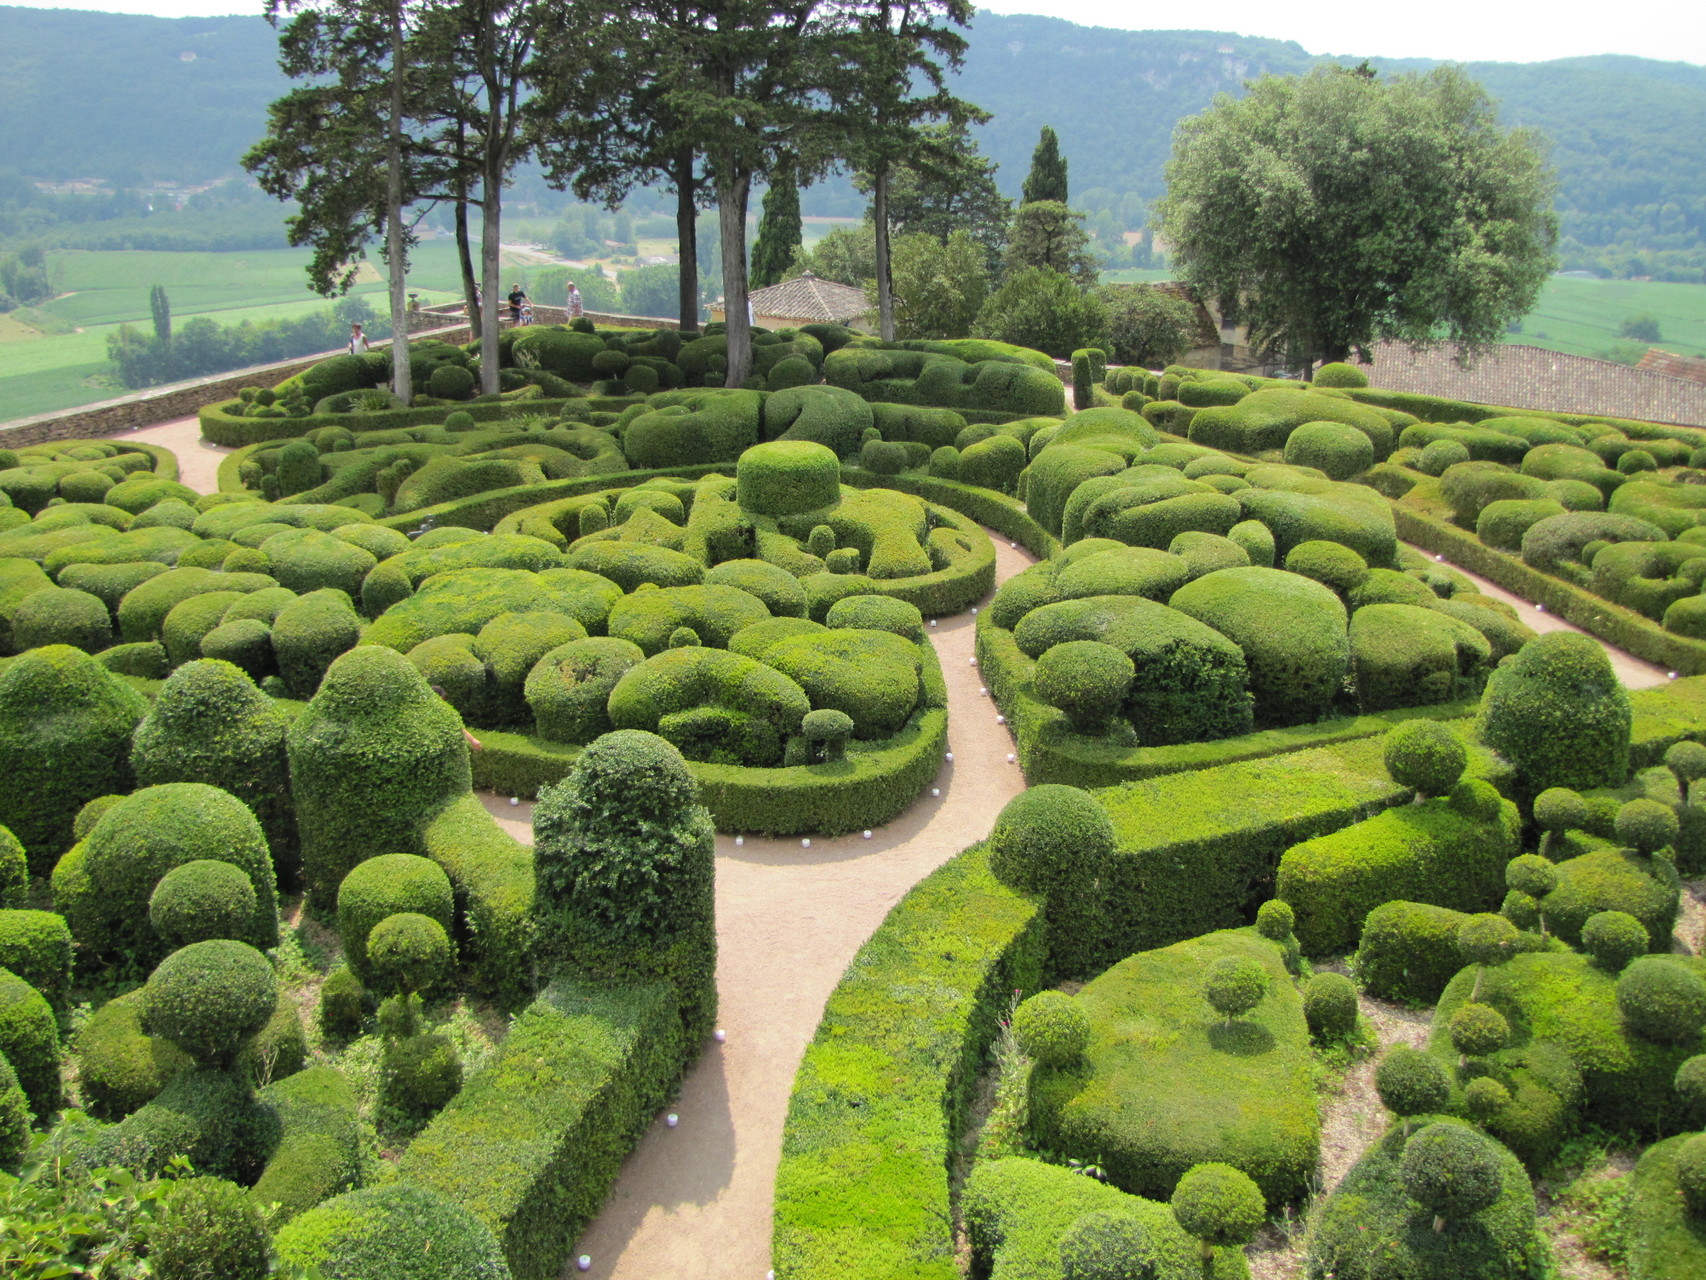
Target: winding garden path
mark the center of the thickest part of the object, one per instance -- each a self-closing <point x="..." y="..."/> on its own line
<point x="694" y="1202"/>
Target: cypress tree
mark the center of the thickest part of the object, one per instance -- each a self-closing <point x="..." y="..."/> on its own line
<point x="779" y="231"/>
<point x="161" y="306"/>
<point x="1047" y="178"/>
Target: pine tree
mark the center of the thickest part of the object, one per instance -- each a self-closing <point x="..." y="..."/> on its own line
<point x="1047" y="178"/>
<point x="779" y="232"/>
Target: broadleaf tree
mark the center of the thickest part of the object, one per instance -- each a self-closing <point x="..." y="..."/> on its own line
<point x="1332" y="211"/>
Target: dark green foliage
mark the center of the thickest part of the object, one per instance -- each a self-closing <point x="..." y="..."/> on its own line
<point x="1339" y="374"/>
<point x="1614" y="939"/>
<point x="725" y="706"/>
<point x="1234" y="985"/>
<point x="318" y="1150"/>
<point x="913" y="1019"/>
<point x="399" y="1231"/>
<point x="65" y="726"/>
<point x="829" y="731"/>
<point x="382" y="887"/>
<point x="624" y="864"/>
<point x="1330" y="1005"/>
<point x="1411" y="1083"/>
<point x="1052" y="1029"/>
<point x="1557" y="712"/>
<point x="196" y="901"/>
<point x="209" y="1116"/>
<point x="210" y="1229"/>
<point x="1339" y="450"/>
<point x="1690" y="1167"/>
<point x="343" y="1000"/>
<point x="1503" y="523"/>
<point x="1690" y="1085"/>
<point x="1292" y="632"/>
<point x="1484" y="1098"/>
<point x="1219" y="1205"/>
<point x="1055" y="841"/>
<point x="146" y="835"/>
<point x="1452" y="1172"/>
<point x="1430" y="852"/>
<point x="1162" y="1070"/>
<point x="1426" y="756"/>
<point x="834" y="417"/>
<point x="121" y="1068"/>
<point x="60" y="615"/>
<point x="1086" y="679"/>
<point x="408" y="952"/>
<point x="14" y="1120"/>
<point x="1609" y="879"/>
<point x="1275" y="920"/>
<point x="207" y="998"/>
<point x="36" y="946"/>
<point x="29" y="1040"/>
<point x="419" y="1074"/>
<point x="1661" y="1000"/>
<point x="1108" y="1245"/>
<point x="371" y="758"/>
<point x="1409" y="655"/>
<point x="15" y="870"/>
<point x="211" y="724"/>
<point x="1647" y="826"/>
<point x="246" y="643"/>
<point x="1556" y="545"/>
<point x="1044" y="310"/>
<point x="532" y="1143"/>
<point x="787" y="477"/>
<point x="1409" y="951"/>
<point x="1330" y="563"/>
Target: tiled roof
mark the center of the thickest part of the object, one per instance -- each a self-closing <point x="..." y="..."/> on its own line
<point x="1673" y="366"/>
<point x="1533" y="378"/>
<point x="810" y="297"/>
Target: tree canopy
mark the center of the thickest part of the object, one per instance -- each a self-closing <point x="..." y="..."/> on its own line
<point x="1047" y="178"/>
<point x="1334" y="210"/>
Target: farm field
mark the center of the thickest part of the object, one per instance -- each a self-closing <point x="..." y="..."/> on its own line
<point x="1582" y="317"/>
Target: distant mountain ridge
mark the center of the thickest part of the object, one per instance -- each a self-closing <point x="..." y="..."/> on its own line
<point x="142" y="99"/>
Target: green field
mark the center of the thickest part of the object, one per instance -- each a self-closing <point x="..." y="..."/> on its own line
<point x="1583" y="317"/>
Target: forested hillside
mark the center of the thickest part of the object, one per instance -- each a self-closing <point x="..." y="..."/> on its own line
<point x="138" y="100"/>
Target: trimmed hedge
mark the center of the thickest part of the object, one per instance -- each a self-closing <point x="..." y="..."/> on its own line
<point x="392" y="1232"/>
<point x="36" y="946"/>
<point x="885" y="1086"/>
<point x="29" y="1040"/>
<point x="1431" y="852"/>
<point x="1166" y="1084"/>
<point x="1409" y="951"/>
<point x="492" y="875"/>
<point x="1665" y="1237"/>
<point x="532" y="1143"/>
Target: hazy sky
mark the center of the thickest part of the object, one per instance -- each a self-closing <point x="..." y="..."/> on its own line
<point x="1466" y="30"/>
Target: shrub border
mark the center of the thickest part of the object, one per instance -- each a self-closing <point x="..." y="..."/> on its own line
<point x="225" y="429"/>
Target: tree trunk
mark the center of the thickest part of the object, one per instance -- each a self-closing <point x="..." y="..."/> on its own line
<point x="465" y="259"/>
<point x="687" y="239"/>
<point x="734" y="185"/>
<point x="880" y="216"/>
<point x="395" y="250"/>
<point x="490" y="245"/>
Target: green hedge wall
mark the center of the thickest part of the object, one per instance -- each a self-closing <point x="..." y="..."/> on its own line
<point x="882" y="1094"/>
<point x="492" y="875"/>
<point x="222" y="428"/>
<point x="1665" y="1240"/>
<point x="532" y="1143"/>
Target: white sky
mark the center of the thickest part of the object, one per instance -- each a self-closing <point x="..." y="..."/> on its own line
<point x="1464" y="30"/>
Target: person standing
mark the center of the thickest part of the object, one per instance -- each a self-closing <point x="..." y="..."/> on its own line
<point x="574" y="301"/>
<point x="517" y="295"/>
<point x="357" y="340"/>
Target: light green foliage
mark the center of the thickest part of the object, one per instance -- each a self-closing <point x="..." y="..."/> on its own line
<point x="29" y="1041"/>
<point x="1219" y="1205"/>
<point x="1425" y="755"/>
<point x="1330" y="1005"/>
<point x="395" y="1232"/>
<point x="1614" y="938"/>
<point x="569" y="688"/>
<point x="36" y="946"/>
<point x="1052" y="1029"/>
<point x="1664" y="1227"/>
<point x="409" y="952"/>
<point x="1055" y="841"/>
<point x="1662" y="1001"/>
<point x="384" y="886"/>
<point x="787" y="477"/>
<point x="209" y="1227"/>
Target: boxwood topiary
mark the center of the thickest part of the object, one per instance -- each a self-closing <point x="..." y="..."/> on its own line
<point x="1661" y="1000"/>
<point x="15" y="870"/>
<point x="308" y="635"/>
<point x="872" y="676"/>
<point x="29" y="1040"/>
<point x="210" y="724"/>
<point x="787" y="477"/>
<point x="1425" y="755"/>
<point x="1614" y="939"/>
<point x="1339" y="450"/>
<point x="36" y="946"/>
<point x="569" y="688"/>
<point x="209" y="997"/>
<point x="147" y="834"/>
<point x="1557" y="712"/>
<point x="343" y="1001"/>
<point x="372" y="757"/>
<point x="199" y="900"/>
<point x="1409" y="951"/>
<point x="398" y="1231"/>
<point x="14" y="1119"/>
<point x="1085" y="679"/>
<point x="208" y="1227"/>
<point x="1330" y="1005"/>
<point x="419" y="1074"/>
<point x="1055" y="840"/>
<point x="1220" y="1206"/>
<point x="60" y="615"/>
<point x="65" y="726"/>
<point x="1452" y="1172"/>
<point x="1052" y="1028"/>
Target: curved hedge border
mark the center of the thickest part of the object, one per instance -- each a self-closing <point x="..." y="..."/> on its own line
<point x="225" y="429"/>
<point x="1007" y="516"/>
<point x="883" y="1091"/>
<point x="1612" y="623"/>
<point x="873" y="784"/>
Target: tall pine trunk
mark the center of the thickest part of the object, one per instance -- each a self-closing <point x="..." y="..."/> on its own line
<point x="465" y="259"/>
<point x="395" y="250"/>
<point x="687" y="238"/>
<point x="492" y="283"/>
<point x="880" y="215"/>
<point x="734" y="186"/>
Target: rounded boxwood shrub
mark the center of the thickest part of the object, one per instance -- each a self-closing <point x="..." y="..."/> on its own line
<point x="1275" y="920"/>
<point x="398" y="1231"/>
<point x="1332" y="447"/>
<point x="1484" y="1098"/>
<point x="146" y="835"/>
<point x="1087" y="680"/>
<point x="828" y="730"/>
<point x="1330" y="1005"/>
<point x="1614" y="939"/>
<point x="1558" y="713"/>
<point x="1425" y="755"/>
<point x="211" y="724"/>
<point x="15" y="869"/>
<point x="343" y="1002"/>
<point x="1661" y="1000"/>
<point x="29" y="1040"/>
<point x="1556" y="811"/>
<point x="1691" y="1168"/>
<point x="569" y="688"/>
<point x="1234" y="985"/>
<point x="1451" y="1171"/>
<point x="14" y="1120"/>
<point x="1439" y="455"/>
<point x="1478" y="1030"/>
<point x="386" y="886"/>
<point x="209" y="997"/>
<point x="1056" y="841"/>
<point x="246" y="643"/>
<point x="1220" y="1206"/>
<point x="1647" y="826"/>
<point x="374" y="753"/>
<point x="1411" y="1083"/>
<point x="1332" y="564"/>
<point x="65" y="727"/>
<point x="1107" y="1245"/>
<point x="308" y="635"/>
<point x="1052" y="1029"/>
<point x="60" y="615"/>
<point x="779" y="590"/>
<point x="787" y="477"/>
<point x="875" y="613"/>
<point x="209" y="1229"/>
<point x="200" y="900"/>
<point x="409" y="952"/>
<point x="36" y="946"/>
<point x="1339" y="374"/>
